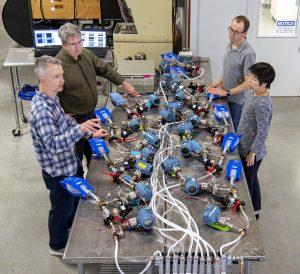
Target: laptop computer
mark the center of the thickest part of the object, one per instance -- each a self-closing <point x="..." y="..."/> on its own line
<point x="46" y="42"/>
<point x="95" y="40"/>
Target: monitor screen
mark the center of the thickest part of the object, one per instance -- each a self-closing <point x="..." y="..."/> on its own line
<point x="46" y="38"/>
<point x="94" y="38"/>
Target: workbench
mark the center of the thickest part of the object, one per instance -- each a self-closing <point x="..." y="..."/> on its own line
<point x="90" y="241"/>
<point x="17" y="58"/>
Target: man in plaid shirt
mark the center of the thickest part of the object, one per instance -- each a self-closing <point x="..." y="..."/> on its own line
<point x="54" y="135"/>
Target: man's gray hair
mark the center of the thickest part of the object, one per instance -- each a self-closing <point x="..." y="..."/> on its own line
<point x="68" y="30"/>
<point x="42" y="62"/>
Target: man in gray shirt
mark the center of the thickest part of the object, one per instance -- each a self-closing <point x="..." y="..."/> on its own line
<point x="239" y="56"/>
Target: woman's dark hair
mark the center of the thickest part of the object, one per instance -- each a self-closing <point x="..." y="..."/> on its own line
<point x="264" y="73"/>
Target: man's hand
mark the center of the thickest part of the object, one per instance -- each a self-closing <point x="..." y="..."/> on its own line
<point x="215" y="85"/>
<point x="100" y="133"/>
<point x="129" y="89"/>
<point x="92" y="125"/>
<point x="218" y="91"/>
<point x="250" y="158"/>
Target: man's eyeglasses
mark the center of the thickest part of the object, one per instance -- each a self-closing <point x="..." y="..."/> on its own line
<point x="75" y="43"/>
<point x="235" y="32"/>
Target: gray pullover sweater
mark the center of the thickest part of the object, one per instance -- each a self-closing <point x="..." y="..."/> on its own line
<point x="254" y="125"/>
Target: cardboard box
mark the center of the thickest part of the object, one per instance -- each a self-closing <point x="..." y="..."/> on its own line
<point x="52" y="9"/>
<point x="88" y="9"/>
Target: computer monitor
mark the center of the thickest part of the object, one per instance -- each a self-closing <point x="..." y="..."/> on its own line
<point x="94" y="38"/>
<point x="46" y="38"/>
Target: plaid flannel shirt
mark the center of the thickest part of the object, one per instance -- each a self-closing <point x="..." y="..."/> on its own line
<point x="54" y="134"/>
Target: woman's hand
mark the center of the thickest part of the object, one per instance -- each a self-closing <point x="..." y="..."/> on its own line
<point x="250" y="158"/>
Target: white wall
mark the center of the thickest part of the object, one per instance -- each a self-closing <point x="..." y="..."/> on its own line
<point x="209" y="37"/>
<point x="209" y="22"/>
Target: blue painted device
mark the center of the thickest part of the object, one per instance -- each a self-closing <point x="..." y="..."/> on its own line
<point x="171" y="164"/>
<point x="230" y="141"/>
<point x="126" y="178"/>
<point x="134" y="124"/>
<point x="167" y="59"/>
<point x="117" y="99"/>
<point x="194" y="119"/>
<point x="147" y="154"/>
<point x="234" y="170"/>
<point x="169" y="56"/>
<point x="77" y="186"/>
<point x="188" y="59"/>
<point x="211" y="214"/>
<point x="152" y="138"/>
<point x="212" y="96"/>
<point x="190" y="146"/>
<point x="185" y="128"/>
<point x="143" y="191"/>
<point x="168" y="115"/>
<point x="144" y="167"/>
<point x="166" y="80"/>
<point x="27" y="92"/>
<point x="174" y="105"/>
<point x="175" y="82"/>
<point x="152" y="101"/>
<point x="221" y="112"/>
<point x="104" y="115"/>
<point x="178" y="70"/>
<point x="192" y="186"/>
<point x="180" y="95"/>
<point x="98" y="146"/>
<point x="144" y="219"/>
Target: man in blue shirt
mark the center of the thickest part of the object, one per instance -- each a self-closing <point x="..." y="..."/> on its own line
<point x="54" y="135"/>
<point x="238" y="58"/>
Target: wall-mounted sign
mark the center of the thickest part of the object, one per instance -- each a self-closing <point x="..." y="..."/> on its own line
<point x="285" y="26"/>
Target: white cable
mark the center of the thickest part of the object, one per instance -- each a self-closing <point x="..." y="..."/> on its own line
<point x="116" y="256"/>
<point x="245" y="216"/>
<point x="230" y="243"/>
<point x="192" y="79"/>
<point x="150" y="261"/>
<point x="163" y="92"/>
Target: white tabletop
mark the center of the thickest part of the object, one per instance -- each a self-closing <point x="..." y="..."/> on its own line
<point x="17" y="57"/>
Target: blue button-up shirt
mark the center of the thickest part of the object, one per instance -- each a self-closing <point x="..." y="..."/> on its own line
<point x="54" y="134"/>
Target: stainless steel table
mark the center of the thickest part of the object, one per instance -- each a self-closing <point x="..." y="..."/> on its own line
<point x="91" y="241"/>
<point x="24" y="57"/>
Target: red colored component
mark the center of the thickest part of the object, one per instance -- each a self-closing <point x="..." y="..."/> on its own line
<point x="135" y="113"/>
<point x="111" y="174"/>
<point x="236" y="206"/>
<point x="211" y="169"/>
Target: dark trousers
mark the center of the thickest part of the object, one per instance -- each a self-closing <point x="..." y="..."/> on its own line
<point x="62" y="212"/>
<point x="253" y="182"/>
<point x="82" y="146"/>
<point x="236" y="112"/>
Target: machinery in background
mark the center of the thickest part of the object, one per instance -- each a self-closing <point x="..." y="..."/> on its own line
<point x="139" y="73"/>
<point x="150" y="33"/>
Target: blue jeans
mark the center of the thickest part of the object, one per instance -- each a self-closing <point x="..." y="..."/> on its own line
<point x="82" y="146"/>
<point x="236" y="112"/>
<point x="61" y="214"/>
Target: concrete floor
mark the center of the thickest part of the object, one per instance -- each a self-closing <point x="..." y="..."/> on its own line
<point x="24" y="202"/>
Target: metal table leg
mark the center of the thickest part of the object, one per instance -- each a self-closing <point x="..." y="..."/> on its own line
<point x="247" y="269"/>
<point x="23" y="116"/>
<point x="81" y="268"/>
<point x="17" y="130"/>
